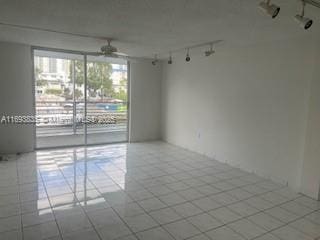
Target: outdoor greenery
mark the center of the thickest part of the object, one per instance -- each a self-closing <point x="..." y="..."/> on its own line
<point x="54" y="91"/>
<point x="122" y="94"/>
<point x="98" y="75"/>
<point x="99" y="82"/>
<point x="39" y="81"/>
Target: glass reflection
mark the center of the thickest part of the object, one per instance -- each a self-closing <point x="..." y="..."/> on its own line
<point x="79" y="179"/>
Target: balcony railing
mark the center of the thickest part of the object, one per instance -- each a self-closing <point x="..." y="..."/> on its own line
<point x="67" y="117"/>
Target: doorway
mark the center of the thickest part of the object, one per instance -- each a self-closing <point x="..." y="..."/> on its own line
<point x="79" y="99"/>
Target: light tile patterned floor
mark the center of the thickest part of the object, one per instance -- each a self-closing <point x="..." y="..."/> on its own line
<point x="145" y="191"/>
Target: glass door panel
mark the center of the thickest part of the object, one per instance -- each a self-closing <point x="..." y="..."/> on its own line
<point x="59" y="98"/>
<point x="74" y="108"/>
<point x="107" y="97"/>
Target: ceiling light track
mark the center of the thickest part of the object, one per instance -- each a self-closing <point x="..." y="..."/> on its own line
<point x="207" y="53"/>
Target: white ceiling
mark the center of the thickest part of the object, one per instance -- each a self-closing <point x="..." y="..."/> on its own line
<point x="145" y="27"/>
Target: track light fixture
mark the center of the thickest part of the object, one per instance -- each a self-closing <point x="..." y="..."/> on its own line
<point x="170" y="59"/>
<point x="303" y="21"/>
<point x="207" y="53"/>
<point x="154" y="62"/>
<point x="188" y="56"/>
<point x="210" y="51"/>
<point x="270" y="9"/>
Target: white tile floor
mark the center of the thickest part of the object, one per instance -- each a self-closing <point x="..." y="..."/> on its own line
<point x="145" y="191"/>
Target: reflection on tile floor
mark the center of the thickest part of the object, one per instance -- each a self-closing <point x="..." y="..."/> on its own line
<point x="145" y="191"/>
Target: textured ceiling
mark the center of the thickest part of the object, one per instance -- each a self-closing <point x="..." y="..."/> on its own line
<point x="144" y="27"/>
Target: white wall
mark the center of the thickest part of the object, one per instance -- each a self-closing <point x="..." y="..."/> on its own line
<point x="16" y="96"/>
<point x="310" y="184"/>
<point x="245" y="105"/>
<point x="145" y="84"/>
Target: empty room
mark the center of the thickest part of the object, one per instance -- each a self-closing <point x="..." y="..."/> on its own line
<point x="160" y="120"/>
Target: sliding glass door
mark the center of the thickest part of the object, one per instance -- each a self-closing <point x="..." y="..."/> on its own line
<point x="79" y="99"/>
<point x="107" y="95"/>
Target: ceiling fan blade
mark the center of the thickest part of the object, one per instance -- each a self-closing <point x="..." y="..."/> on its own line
<point x="121" y="54"/>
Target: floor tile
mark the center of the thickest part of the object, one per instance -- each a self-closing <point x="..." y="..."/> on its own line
<point x="247" y="229"/>
<point x="254" y="189"/>
<point x="41" y="231"/>
<point x="224" y="198"/>
<point x="38" y="217"/>
<point x="140" y="195"/>
<point x="271" y="186"/>
<point x="225" y="215"/>
<point x="159" y="190"/>
<point x="140" y="222"/>
<point x="308" y="202"/>
<point x="33" y="195"/>
<point x="274" y="198"/>
<point x="296" y="208"/>
<point x="129" y="237"/>
<point x="314" y="217"/>
<point x="10" y="223"/>
<point x="224" y="186"/>
<point x="289" y="233"/>
<point x="113" y="231"/>
<point x="155" y="234"/>
<point x="259" y="203"/>
<point x="204" y="222"/>
<point x="89" y="234"/>
<point x="287" y="193"/>
<point x="33" y="206"/>
<point x="73" y="223"/>
<point x="12" y="235"/>
<point x="206" y="204"/>
<point x="151" y="204"/>
<point x="265" y="221"/>
<point x="9" y="199"/>
<point x="128" y="210"/>
<point x="172" y="199"/>
<point x="67" y="210"/>
<point x="187" y="209"/>
<point x="224" y="233"/>
<point x="181" y="229"/>
<point x="190" y="194"/>
<point x="94" y="204"/>
<point x="307" y="227"/>
<point x="64" y="199"/>
<point x="177" y="186"/>
<point x="10" y="210"/>
<point x="201" y="236"/>
<point x="282" y="214"/>
<point x="240" y="194"/>
<point x="117" y="198"/>
<point x="165" y="215"/>
<point x="104" y="217"/>
<point x="268" y="237"/>
<point x="243" y="209"/>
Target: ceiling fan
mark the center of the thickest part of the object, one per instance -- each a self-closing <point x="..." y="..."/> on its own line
<point x="110" y="51"/>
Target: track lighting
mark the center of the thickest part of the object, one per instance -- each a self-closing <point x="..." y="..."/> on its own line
<point x="210" y="51"/>
<point x="170" y="59"/>
<point x="303" y="21"/>
<point x="186" y="49"/>
<point x="188" y="56"/>
<point x="154" y="62"/>
<point x="270" y="9"/>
